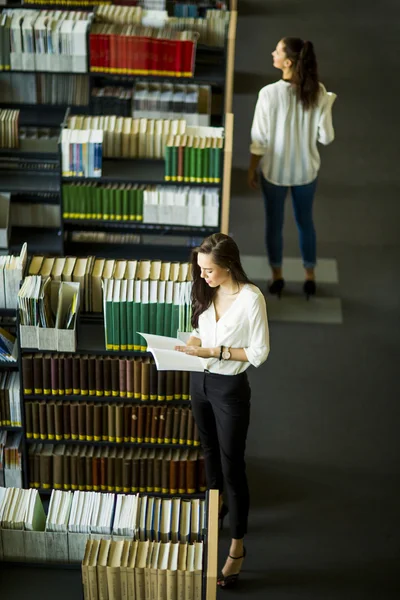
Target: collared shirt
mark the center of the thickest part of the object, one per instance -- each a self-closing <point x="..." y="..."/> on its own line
<point x="243" y="325"/>
<point x="286" y="135"/>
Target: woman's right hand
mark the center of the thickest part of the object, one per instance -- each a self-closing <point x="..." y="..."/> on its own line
<point x="252" y="179"/>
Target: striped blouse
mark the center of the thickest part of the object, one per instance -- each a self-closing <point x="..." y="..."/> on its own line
<point x="286" y="135"/>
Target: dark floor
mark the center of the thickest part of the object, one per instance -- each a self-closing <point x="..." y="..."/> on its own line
<point x="323" y="452"/>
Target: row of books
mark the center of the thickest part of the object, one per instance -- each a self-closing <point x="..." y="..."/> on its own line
<point x="82" y="152"/>
<point x="103" y="237"/>
<point x="211" y="29"/>
<point x="156" y="307"/>
<point x="97" y="376"/>
<point x="11" y="272"/>
<point x="193" y="159"/>
<point x="25" y="214"/>
<point x="144" y="204"/>
<point x="115" y="423"/>
<point x="111" y="100"/>
<point x="10" y="459"/>
<point x="9" y="123"/>
<point x="142" y="570"/>
<point x="44" y="88"/>
<point x="90" y="271"/>
<point x="10" y="408"/>
<point x="35" y="40"/>
<point x="8" y="347"/>
<point x="112" y="469"/>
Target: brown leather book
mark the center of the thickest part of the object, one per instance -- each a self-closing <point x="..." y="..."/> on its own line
<point x="127" y="471"/>
<point x="96" y="470"/>
<point x="169" y="418"/>
<point x="82" y="421"/>
<point x="61" y="375"/>
<point x="58" y="421"/>
<point x="177" y="385"/>
<point x="104" y="428"/>
<point x="166" y="459"/>
<point x="84" y="363"/>
<point x="130" y="377"/>
<point x="58" y="467"/>
<point x="153" y="391"/>
<point x="31" y="465"/>
<point x="155" y="415"/>
<point x="189" y="428"/>
<point x="34" y="465"/>
<point x="145" y="391"/>
<point x="115" y="376"/>
<point x="68" y="374"/>
<point x="137" y="378"/>
<point x="150" y="471"/>
<point x="103" y="469"/>
<point x="89" y="469"/>
<point x="27" y="374"/>
<point x="183" y="426"/>
<point x="54" y="374"/>
<point x="107" y="375"/>
<point x="147" y="427"/>
<point x="35" y="420"/>
<point x="76" y="375"/>
<point x="46" y="365"/>
<point x="74" y="420"/>
<point x="182" y="471"/>
<point x="176" y="423"/>
<point x="50" y="418"/>
<point x="97" y="422"/>
<point x="161" y="385"/>
<point x="119" y="423"/>
<point x="201" y="474"/>
<point x="46" y="467"/>
<point x="185" y="385"/>
<point x="99" y="375"/>
<point x="118" y="462"/>
<point x="67" y="468"/>
<point x="196" y="434"/>
<point x="28" y="420"/>
<point x="136" y="470"/>
<point x="157" y="471"/>
<point x="161" y="425"/>
<point x="38" y="374"/>
<point x="74" y="468"/>
<point x="66" y="425"/>
<point x="92" y="375"/>
<point x="111" y="423"/>
<point x="143" y="471"/>
<point x="174" y="472"/>
<point x="81" y="469"/>
<point x="127" y="410"/>
<point x="141" y="423"/>
<point x="169" y="386"/>
<point x="122" y="377"/>
<point x="89" y="421"/>
<point x="111" y="470"/>
<point x="42" y="421"/>
<point x="134" y="424"/>
<point x="191" y="472"/>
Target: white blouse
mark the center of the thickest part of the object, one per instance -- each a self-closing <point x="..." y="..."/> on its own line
<point x="243" y="325"/>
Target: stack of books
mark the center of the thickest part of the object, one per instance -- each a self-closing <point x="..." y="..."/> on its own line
<point x="111" y="100"/>
<point x="10" y="405"/>
<point x="109" y="468"/>
<point x="211" y="30"/>
<point x="101" y="376"/>
<point x="114" y="423"/>
<point x="12" y="270"/>
<point x="82" y="152"/>
<point x="193" y="159"/>
<point x="8" y="347"/>
<point x="9" y="128"/>
<point x="10" y="460"/>
<point x="21" y="509"/>
<point x="44" y="88"/>
<point x="27" y="214"/>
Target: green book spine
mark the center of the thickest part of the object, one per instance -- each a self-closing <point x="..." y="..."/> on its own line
<point x="118" y="204"/>
<point x="129" y="325"/>
<point x="186" y="164"/>
<point x="136" y="325"/>
<point x="116" y="325"/>
<point x="144" y="323"/>
<point x="113" y="204"/>
<point x="79" y="201"/>
<point x="131" y="204"/>
<point x="125" y="205"/>
<point x="123" y="325"/>
<point x="153" y="317"/>
<point x="192" y="169"/>
<point x="160" y="316"/>
<point x="139" y="204"/>
<point x="85" y="202"/>
<point x="167" y="318"/>
<point x="97" y="209"/>
<point x="199" y="165"/>
<point x="206" y="167"/>
<point x="174" y="163"/>
<point x="168" y="157"/>
<point x="211" y="163"/>
<point x="217" y="165"/>
<point x="174" y="320"/>
<point x="66" y="201"/>
<point x="106" y="203"/>
<point x="109" y="326"/>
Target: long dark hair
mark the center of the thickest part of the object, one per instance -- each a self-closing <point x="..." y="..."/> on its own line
<point x="225" y="254"/>
<point x="305" y="70"/>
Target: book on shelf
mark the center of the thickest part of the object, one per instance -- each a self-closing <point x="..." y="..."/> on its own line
<point x="82" y="152"/>
<point x="9" y="123"/>
<point x="44" y="40"/>
<point x="8" y="347"/>
<point x="211" y="30"/>
<point x="64" y="375"/>
<point x="109" y="468"/>
<point x="94" y="421"/>
<point x="44" y="88"/>
<point x="21" y="509"/>
<point x="11" y="273"/>
<point x="10" y="459"/>
<point x="25" y="214"/>
<point x="193" y="159"/>
<point x="157" y="301"/>
<point x="10" y="406"/>
<point x="167" y="358"/>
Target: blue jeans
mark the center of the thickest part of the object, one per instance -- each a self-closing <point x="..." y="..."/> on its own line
<point x="274" y="201"/>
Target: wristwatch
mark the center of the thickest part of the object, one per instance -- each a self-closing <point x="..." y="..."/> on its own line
<point x="226" y="354"/>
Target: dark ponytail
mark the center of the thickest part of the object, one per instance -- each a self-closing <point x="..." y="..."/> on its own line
<point x="305" y="70"/>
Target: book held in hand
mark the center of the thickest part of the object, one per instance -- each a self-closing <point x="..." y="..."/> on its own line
<point x="169" y="359"/>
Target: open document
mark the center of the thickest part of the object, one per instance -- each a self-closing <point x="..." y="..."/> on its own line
<point x="169" y="359"/>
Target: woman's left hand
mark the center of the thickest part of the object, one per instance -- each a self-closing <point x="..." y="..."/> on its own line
<point x="196" y="351"/>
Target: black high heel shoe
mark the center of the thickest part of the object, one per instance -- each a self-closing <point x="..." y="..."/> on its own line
<point x="276" y="287"/>
<point x="309" y="288"/>
<point x="223" y="511"/>
<point x="230" y="580"/>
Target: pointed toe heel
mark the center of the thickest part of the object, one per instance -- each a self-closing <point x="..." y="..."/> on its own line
<point x="309" y="288"/>
<point x="276" y="287"/>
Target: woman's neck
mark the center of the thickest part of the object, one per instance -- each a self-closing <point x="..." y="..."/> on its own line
<point x="229" y="288"/>
<point x="287" y="74"/>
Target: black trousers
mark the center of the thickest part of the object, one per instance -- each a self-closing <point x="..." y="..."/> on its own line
<point x="221" y="408"/>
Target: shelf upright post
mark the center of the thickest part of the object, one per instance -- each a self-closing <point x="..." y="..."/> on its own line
<point x="25" y="463"/>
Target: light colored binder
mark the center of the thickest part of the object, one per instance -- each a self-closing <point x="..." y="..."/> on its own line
<point x="35" y="546"/>
<point x="29" y="336"/>
<point x="66" y="338"/>
<point x="76" y="546"/>
<point x="13" y="545"/>
<point x="47" y="338"/>
<point x="56" y="547"/>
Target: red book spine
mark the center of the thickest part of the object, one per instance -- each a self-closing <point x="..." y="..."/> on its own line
<point x="123" y="44"/>
<point x="155" y="50"/>
<point x="130" y="51"/>
<point x="188" y="58"/>
<point x="94" y="51"/>
<point x="114" y="56"/>
<point x="178" y="58"/>
<point x="142" y="55"/>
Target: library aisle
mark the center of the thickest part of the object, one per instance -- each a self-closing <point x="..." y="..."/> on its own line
<point x="323" y="444"/>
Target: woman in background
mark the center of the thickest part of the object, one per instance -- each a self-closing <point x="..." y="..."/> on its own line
<point x="291" y="116"/>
